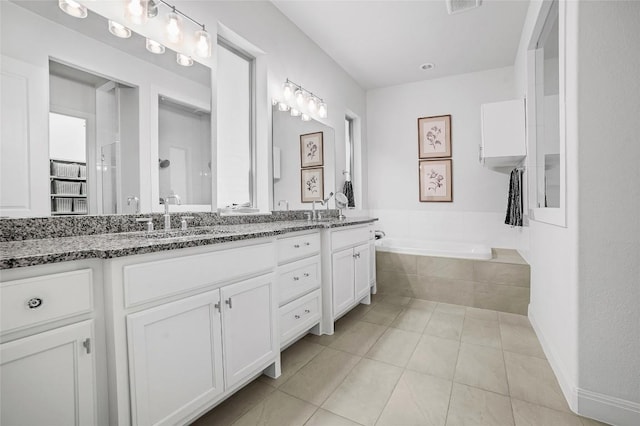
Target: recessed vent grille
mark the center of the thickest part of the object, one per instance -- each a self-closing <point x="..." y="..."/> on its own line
<point x="457" y="6"/>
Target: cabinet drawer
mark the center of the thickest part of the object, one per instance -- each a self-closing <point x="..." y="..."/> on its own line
<point x="297" y="247"/>
<point x="349" y="237"/>
<point x="154" y="280"/>
<point x="39" y="300"/>
<point x="299" y="315"/>
<point x="298" y="278"/>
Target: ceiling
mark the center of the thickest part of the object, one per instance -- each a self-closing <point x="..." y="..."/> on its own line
<point x="383" y="43"/>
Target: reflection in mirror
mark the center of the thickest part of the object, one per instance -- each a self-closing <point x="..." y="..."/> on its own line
<point x="287" y="185"/>
<point x="547" y="94"/>
<point x="184" y="149"/>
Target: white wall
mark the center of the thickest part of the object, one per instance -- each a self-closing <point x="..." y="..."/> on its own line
<point x="479" y="194"/>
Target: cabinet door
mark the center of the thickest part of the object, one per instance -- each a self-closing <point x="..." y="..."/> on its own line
<point x="249" y="326"/>
<point x="362" y="265"/>
<point x="49" y="378"/>
<point x="342" y="279"/>
<point x="175" y="359"/>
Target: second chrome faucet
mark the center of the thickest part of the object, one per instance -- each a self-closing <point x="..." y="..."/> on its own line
<point x="166" y="201"/>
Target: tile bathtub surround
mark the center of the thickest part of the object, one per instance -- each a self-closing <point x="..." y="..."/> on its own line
<point x="446" y="381"/>
<point x="15" y="229"/>
<point x="501" y="283"/>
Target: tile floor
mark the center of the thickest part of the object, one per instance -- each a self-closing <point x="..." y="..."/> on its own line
<point x="403" y="361"/>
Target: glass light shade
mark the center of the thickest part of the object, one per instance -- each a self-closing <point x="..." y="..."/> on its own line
<point x="184" y="60"/>
<point x="136" y="11"/>
<point x="322" y="110"/>
<point x="312" y="104"/>
<point x="274" y="102"/>
<point x="203" y="44"/>
<point x="174" y="28"/>
<point x="283" y="107"/>
<point x="305" y="117"/>
<point x="287" y="90"/>
<point x="295" y="112"/>
<point x="155" y="47"/>
<point x="73" y="8"/>
<point x="152" y="8"/>
<point x="300" y="96"/>
<point x="119" y="30"/>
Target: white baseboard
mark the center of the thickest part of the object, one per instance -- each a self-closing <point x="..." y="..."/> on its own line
<point x="605" y="408"/>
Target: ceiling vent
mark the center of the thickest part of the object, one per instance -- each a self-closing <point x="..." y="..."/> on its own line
<point x="457" y="6"/>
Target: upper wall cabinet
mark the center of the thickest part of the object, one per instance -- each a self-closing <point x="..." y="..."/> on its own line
<point x="503" y="133"/>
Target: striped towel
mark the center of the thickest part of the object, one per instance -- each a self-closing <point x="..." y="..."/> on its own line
<point x="514" y="204"/>
<point x="347" y="189"/>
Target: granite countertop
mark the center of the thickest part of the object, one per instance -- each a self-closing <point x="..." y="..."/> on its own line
<point x="16" y="254"/>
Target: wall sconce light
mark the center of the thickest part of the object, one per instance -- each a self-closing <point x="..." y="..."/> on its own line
<point x="173" y="28"/>
<point x="136" y="11"/>
<point x="203" y="43"/>
<point x="306" y="103"/>
<point x="73" y="8"/>
<point x="154" y="47"/>
<point x="119" y="30"/>
<point x="184" y="60"/>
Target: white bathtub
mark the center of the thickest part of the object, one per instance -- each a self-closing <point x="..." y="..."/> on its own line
<point x="434" y="248"/>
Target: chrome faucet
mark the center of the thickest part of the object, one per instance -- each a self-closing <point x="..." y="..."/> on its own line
<point x="314" y="214"/>
<point x="137" y="200"/>
<point x="285" y="202"/>
<point x="167" y="217"/>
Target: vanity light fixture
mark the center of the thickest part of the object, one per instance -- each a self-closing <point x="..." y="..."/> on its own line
<point x="301" y="102"/>
<point x="154" y="47"/>
<point x="203" y="43"/>
<point x="283" y="106"/>
<point x="287" y="90"/>
<point x="312" y="104"/>
<point x="305" y="117"/>
<point x="136" y="11"/>
<point x="119" y="30"/>
<point x="184" y="60"/>
<point x="174" y="27"/>
<point x="73" y="8"/>
<point x="152" y="8"/>
<point x="300" y="97"/>
<point x="322" y="110"/>
<point x="295" y="112"/>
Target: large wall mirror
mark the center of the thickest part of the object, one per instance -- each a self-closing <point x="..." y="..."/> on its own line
<point x="290" y="177"/>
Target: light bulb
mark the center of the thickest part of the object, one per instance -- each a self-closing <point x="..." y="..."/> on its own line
<point x="174" y="28"/>
<point x="274" y="102"/>
<point x="287" y="90"/>
<point x="152" y="8"/>
<point x="155" y="47"/>
<point x="73" y="8"/>
<point x="203" y="44"/>
<point x="184" y="60"/>
<point x="283" y="107"/>
<point x="119" y="30"/>
<point x="300" y="95"/>
<point x="136" y="11"/>
<point x="295" y="112"/>
<point x="312" y="106"/>
<point x="305" y="117"/>
<point x="322" y="110"/>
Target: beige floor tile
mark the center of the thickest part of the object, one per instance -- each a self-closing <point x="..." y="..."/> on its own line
<point x="527" y="414"/>
<point x="359" y="338"/>
<point x="448" y="308"/>
<point x="479" y="332"/>
<point x="412" y="320"/>
<point x="448" y="326"/>
<point x="435" y="356"/>
<point x="482" y="314"/>
<point x="531" y="379"/>
<point x="513" y="319"/>
<point x="395" y="300"/>
<point x="293" y="359"/>
<point x="522" y="340"/>
<point x="276" y="410"/>
<point x="341" y="327"/>
<point x="327" y="418"/>
<point x="358" y="312"/>
<point x="427" y="305"/>
<point x="419" y="400"/>
<point x="236" y="405"/>
<point x="394" y="347"/>
<point x="477" y="407"/>
<point x="315" y="381"/>
<point x="364" y="392"/>
<point x="482" y="367"/>
<point x="382" y="313"/>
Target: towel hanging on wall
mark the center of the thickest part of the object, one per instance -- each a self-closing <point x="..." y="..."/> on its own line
<point x="514" y="204"/>
<point x="347" y="189"/>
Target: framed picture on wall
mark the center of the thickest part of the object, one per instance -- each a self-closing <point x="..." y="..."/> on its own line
<point x="434" y="137"/>
<point x="311" y="150"/>
<point x="435" y="181"/>
<point x="312" y="184"/>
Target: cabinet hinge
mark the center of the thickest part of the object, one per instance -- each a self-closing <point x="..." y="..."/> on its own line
<point x="87" y="345"/>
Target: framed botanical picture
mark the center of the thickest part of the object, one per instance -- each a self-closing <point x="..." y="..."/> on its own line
<point x="312" y="184"/>
<point x="434" y="137"/>
<point x="311" y="150"/>
<point x="435" y="180"/>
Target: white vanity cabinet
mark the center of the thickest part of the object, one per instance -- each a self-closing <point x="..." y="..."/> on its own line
<point x="347" y="272"/>
<point x="189" y="327"/>
<point x="48" y="351"/>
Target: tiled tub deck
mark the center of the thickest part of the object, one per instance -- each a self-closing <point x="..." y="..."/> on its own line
<point x="501" y="283"/>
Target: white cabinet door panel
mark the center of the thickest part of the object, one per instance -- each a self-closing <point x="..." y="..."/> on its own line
<point x="249" y="327"/>
<point x="362" y="267"/>
<point x="343" y="275"/>
<point x="175" y="359"/>
<point x="49" y="378"/>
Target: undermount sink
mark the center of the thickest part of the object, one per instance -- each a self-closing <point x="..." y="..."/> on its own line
<point x="178" y="233"/>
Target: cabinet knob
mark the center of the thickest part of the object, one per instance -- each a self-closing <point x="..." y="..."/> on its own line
<point x="306" y="274"/>
<point x="229" y="302"/>
<point x="296" y="246"/>
<point x="306" y="311"/>
<point x="296" y="278"/>
<point x="34" y="303"/>
<point x="307" y="244"/>
<point x="297" y="316"/>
